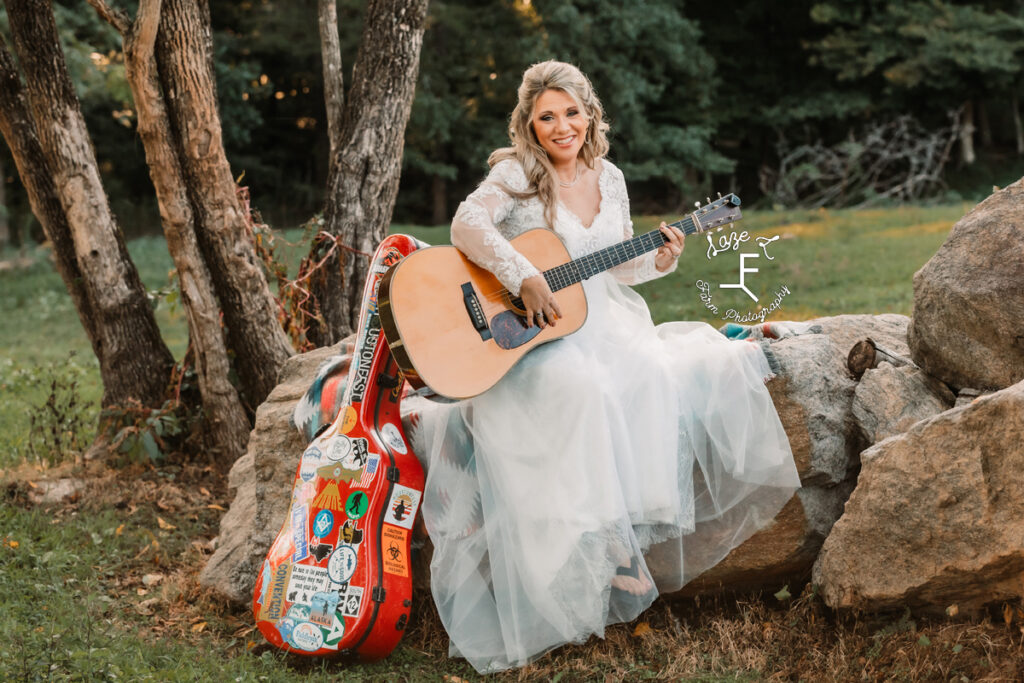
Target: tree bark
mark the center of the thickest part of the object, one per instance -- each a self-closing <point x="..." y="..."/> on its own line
<point x="967" y="155"/>
<point x="5" y="222"/>
<point x="135" y="363"/>
<point x="185" y="64"/>
<point x="334" y="77"/>
<point x="365" y="167"/>
<point x="1018" y="129"/>
<point x="229" y="426"/>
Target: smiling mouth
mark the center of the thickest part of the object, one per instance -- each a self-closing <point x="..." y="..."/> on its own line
<point x="564" y="141"/>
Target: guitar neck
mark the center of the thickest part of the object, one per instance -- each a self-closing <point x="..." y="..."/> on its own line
<point x="590" y="265"/>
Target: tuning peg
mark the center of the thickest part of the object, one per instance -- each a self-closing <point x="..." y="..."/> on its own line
<point x="707" y="199"/>
<point x="697" y="204"/>
<point x="719" y="195"/>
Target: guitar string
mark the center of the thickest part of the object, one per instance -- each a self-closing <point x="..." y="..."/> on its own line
<point x="686" y="225"/>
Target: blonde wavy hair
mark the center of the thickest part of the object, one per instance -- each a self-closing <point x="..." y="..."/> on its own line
<point x="550" y="75"/>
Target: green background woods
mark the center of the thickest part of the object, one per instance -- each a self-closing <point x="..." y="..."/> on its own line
<point x="702" y="96"/>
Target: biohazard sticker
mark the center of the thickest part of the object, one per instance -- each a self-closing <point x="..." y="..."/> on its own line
<point x="273" y="605"/>
<point x="351" y="601"/>
<point x="322" y="608"/>
<point x="402" y="506"/>
<point x="307" y="637"/>
<point x="393" y="438"/>
<point x="394" y="542"/>
<point x="305" y="582"/>
<point x="342" y="564"/>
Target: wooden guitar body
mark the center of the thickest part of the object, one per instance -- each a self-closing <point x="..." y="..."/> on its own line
<point x="434" y="328"/>
<point x="337" y="579"/>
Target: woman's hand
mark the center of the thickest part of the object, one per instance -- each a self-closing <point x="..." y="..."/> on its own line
<point x="539" y="302"/>
<point x="669" y="253"/>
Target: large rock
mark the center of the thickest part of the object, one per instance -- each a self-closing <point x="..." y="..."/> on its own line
<point x="937" y="517"/>
<point x="969" y="298"/>
<point x="262" y="480"/>
<point x="888" y="400"/>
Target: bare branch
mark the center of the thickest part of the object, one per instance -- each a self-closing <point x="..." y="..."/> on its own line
<point x="147" y="21"/>
<point x="334" y="78"/>
<point x="117" y="18"/>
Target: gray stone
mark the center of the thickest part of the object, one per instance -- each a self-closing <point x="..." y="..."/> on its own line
<point x="969" y="298"/>
<point x="937" y="517"/>
<point x="888" y="400"/>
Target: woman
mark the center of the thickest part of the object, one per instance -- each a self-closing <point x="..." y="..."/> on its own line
<point x="617" y="462"/>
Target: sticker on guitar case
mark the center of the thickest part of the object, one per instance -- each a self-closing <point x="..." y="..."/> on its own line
<point x="341" y="565"/>
<point x="310" y="462"/>
<point x="334" y="635"/>
<point x="321" y="551"/>
<point x="307" y="637"/>
<point x="351" y="601"/>
<point x="305" y="582"/>
<point x="393" y="539"/>
<point x="322" y="608"/>
<point x="357" y="504"/>
<point x="349" y="534"/>
<point x="393" y="438"/>
<point x="402" y="506"/>
<point x="330" y="497"/>
<point x="300" y="517"/>
<point x="285" y="628"/>
<point x="323" y="523"/>
<point x="273" y="607"/>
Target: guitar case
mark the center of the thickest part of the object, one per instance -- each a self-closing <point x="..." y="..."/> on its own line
<point x="337" y="578"/>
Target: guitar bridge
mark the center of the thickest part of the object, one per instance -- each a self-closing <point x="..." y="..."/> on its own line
<point x="475" y="311"/>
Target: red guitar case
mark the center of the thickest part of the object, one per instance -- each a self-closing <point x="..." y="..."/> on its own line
<point x="337" y="579"/>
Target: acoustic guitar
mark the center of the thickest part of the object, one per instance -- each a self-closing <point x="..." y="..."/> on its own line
<point x="453" y="327"/>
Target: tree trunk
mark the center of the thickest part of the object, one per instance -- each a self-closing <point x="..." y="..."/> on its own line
<point x="334" y="77"/>
<point x="967" y="155"/>
<point x="135" y="363"/>
<point x="5" y="222"/>
<point x="185" y="63"/>
<point x="362" y="181"/>
<point x="229" y="426"/>
<point x="984" y="126"/>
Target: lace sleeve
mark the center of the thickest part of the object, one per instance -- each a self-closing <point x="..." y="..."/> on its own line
<point x="475" y="231"/>
<point x="642" y="268"/>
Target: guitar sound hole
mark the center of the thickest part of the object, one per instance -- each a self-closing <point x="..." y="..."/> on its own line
<point x="510" y="330"/>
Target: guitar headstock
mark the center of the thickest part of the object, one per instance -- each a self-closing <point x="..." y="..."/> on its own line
<point x="715" y="215"/>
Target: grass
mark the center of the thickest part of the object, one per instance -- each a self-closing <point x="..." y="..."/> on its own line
<point x="105" y="586"/>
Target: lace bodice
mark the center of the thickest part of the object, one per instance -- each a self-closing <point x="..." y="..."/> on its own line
<point x="490" y="217"/>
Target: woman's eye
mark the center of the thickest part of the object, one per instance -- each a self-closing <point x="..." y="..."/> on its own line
<point x="572" y="112"/>
<point x="546" y="117"/>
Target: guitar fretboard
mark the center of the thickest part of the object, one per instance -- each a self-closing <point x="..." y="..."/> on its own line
<point x="587" y="266"/>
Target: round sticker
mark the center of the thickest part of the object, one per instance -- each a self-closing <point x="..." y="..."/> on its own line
<point x="323" y="523"/>
<point x="356" y="505"/>
<point x="393" y="438"/>
<point x="308" y="637"/>
<point x="285" y="627"/>
<point x="338" y="448"/>
<point x="310" y="461"/>
<point x="342" y="564"/>
<point x="349" y="421"/>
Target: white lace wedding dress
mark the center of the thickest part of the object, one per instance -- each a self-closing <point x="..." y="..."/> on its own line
<point x="620" y="441"/>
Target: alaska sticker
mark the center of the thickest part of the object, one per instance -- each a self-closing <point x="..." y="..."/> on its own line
<point x="393" y="438"/>
<point x="357" y="504"/>
<point x="342" y="564"/>
<point x="300" y="516"/>
<point x="323" y="523"/>
<point x="305" y="582"/>
<point x="307" y="637"/>
<point x="394" y="542"/>
<point x="351" y="601"/>
<point x="322" y="608"/>
<point x="402" y="506"/>
<point x="273" y="605"/>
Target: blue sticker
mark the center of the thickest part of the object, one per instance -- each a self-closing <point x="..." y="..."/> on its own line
<point x="284" y="627"/>
<point x="310" y="461"/>
<point x="322" y="607"/>
<point x="299" y="523"/>
<point x="323" y="523"/>
<point x="264" y="582"/>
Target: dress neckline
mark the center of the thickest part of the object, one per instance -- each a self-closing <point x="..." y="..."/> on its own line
<point x="600" y="203"/>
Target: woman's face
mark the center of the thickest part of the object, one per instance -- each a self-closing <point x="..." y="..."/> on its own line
<point x="560" y="125"/>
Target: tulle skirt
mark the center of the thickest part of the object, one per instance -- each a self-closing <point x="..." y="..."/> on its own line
<point x="602" y="451"/>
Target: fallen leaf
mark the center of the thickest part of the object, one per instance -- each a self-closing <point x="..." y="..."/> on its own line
<point x="198" y="628"/>
<point x="214" y="506"/>
<point x="203" y="490"/>
<point x="119" y="530"/>
<point x="952" y="610"/>
<point x="642" y="629"/>
<point x="145" y="607"/>
<point x="33" y="484"/>
<point x="165" y="525"/>
<point x="152" y="579"/>
<point x="1008" y="614"/>
<point x="13" y="544"/>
